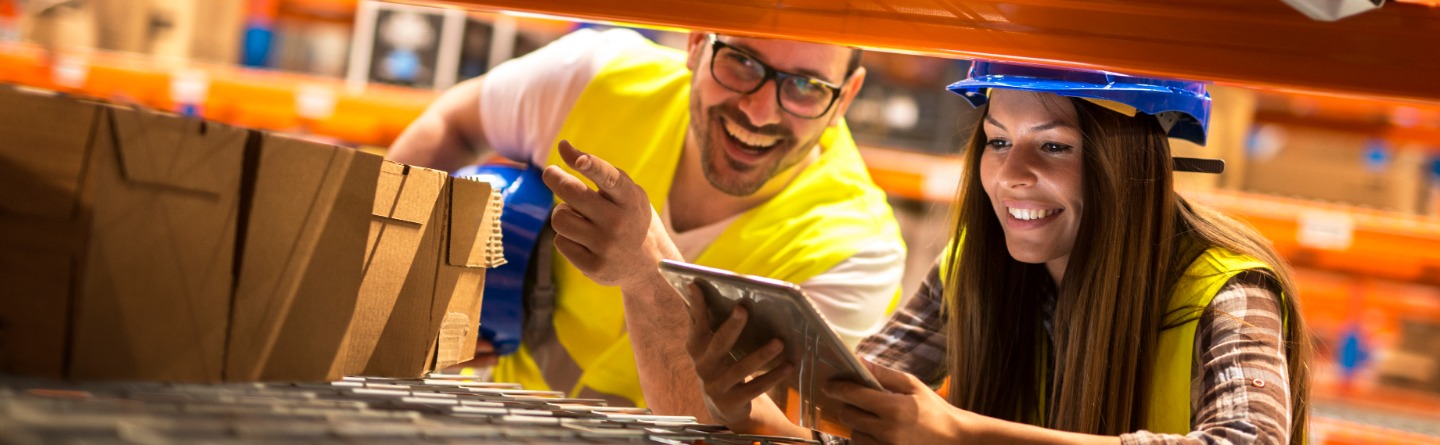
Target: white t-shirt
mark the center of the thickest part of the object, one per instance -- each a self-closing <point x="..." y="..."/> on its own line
<point x="524" y="103"/>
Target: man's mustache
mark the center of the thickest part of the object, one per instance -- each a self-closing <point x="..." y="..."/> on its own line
<point x="739" y="118"/>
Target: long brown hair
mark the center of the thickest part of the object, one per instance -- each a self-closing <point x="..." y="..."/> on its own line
<point x="1137" y="236"/>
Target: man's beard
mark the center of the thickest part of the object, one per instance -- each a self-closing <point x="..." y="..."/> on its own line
<point x="743" y="179"/>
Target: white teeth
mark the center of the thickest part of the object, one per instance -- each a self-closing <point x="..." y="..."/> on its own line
<point x="749" y="138"/>
<point x="1032" y="214"/>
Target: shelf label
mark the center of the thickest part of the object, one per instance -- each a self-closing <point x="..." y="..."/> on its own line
<point x="70" y="71"/>
<point x="1326" y="230"/>
<point x="188" y="88"/>
<point x="314" y="102"/>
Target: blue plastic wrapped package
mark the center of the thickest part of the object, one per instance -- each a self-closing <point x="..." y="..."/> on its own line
<point x="528" y="203"/>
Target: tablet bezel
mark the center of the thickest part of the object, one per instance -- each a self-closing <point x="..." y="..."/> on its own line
<point x="777" y="309"/>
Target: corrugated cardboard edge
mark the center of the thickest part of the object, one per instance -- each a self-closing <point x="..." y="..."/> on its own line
<point x="459" y="290"/>
<point x="494" y="246"/>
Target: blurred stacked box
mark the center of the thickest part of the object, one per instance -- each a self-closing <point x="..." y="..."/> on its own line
<point x="139" y="245"/>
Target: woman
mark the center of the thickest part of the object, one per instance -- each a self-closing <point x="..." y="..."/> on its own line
<point x="1087" y="303"/>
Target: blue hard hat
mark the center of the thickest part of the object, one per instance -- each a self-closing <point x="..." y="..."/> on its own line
<point x="1182" y="107"/>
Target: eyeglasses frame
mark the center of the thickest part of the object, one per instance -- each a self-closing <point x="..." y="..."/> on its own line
<point x="770" y="73"/>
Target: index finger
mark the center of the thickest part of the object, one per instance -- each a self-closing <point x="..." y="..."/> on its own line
<point x="611" y="182"/>
<point x="859" y="395"/>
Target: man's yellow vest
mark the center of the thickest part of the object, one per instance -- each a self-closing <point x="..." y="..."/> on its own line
<point x="634" y="114"/>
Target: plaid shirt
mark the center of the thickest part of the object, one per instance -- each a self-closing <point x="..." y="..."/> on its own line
<point x="1239" y="389"/>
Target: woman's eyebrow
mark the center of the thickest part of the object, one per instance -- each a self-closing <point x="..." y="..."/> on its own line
<point x="1049" y="125"/>
<point x="1034" y="128"/>
<point x="994" y="122"/>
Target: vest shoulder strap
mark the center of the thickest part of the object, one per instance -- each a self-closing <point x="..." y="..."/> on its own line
<point x="1169" y="395"/>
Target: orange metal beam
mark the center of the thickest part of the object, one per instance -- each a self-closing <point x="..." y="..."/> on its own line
<point x="1383" y="244"/>
<point x="1393" y="52"/>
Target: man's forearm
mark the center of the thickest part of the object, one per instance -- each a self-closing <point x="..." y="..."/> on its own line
<point x="429" y="143"/>
<point x="448" y="135"/>
<point x="659" y="326"/>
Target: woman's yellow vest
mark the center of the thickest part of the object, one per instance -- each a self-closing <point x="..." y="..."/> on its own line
<point x="1169" y="393"/>
<point x="634" y="114"/>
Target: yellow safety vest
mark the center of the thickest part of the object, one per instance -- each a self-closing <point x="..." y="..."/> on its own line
<point x="634" y="114"/>
<point x="1169" y="393"/>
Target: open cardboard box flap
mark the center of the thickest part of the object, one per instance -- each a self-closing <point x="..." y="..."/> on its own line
<point x="147" y="143"/>
<point x="407" y="193"/>
<point x="474" y="240"/>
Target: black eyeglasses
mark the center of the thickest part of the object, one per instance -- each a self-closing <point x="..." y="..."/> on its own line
<point x="738" y="71"/>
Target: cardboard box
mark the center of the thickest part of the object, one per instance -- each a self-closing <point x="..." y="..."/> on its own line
<point x="159" y="266"/>
<point x="1232" y="115"/>
<point x="205" y="30"/>
<point x="123" y="221"/>
<point x="342" y="270"/>
<point x="1336" y="166"/>
<point x="400" y="259"/>
<point x="464" y="233"/>
<point x="462" y="276"/>
<point x="303" y="253"/>
<point x="1415" y="361"/>
<point x="137" y="245"/>
<point x="44" y="142"/>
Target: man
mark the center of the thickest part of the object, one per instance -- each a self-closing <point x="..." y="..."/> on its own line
<point x="745" y="165"/>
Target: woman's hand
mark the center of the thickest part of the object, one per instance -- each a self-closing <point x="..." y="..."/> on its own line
<point x="910" y="413"/>
<point x="732" y="397"/>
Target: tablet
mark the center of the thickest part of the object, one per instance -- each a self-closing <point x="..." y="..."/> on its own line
<point x="777" y="310"/>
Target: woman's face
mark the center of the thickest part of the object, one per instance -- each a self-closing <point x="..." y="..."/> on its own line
<point x="1031" y="170"/>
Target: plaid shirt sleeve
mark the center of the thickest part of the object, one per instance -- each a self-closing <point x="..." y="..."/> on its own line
<point x="913" y="340"/>
<point x="1239" y="389"/>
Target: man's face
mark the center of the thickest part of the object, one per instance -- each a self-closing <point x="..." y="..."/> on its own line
<point x="747" y="138"/>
